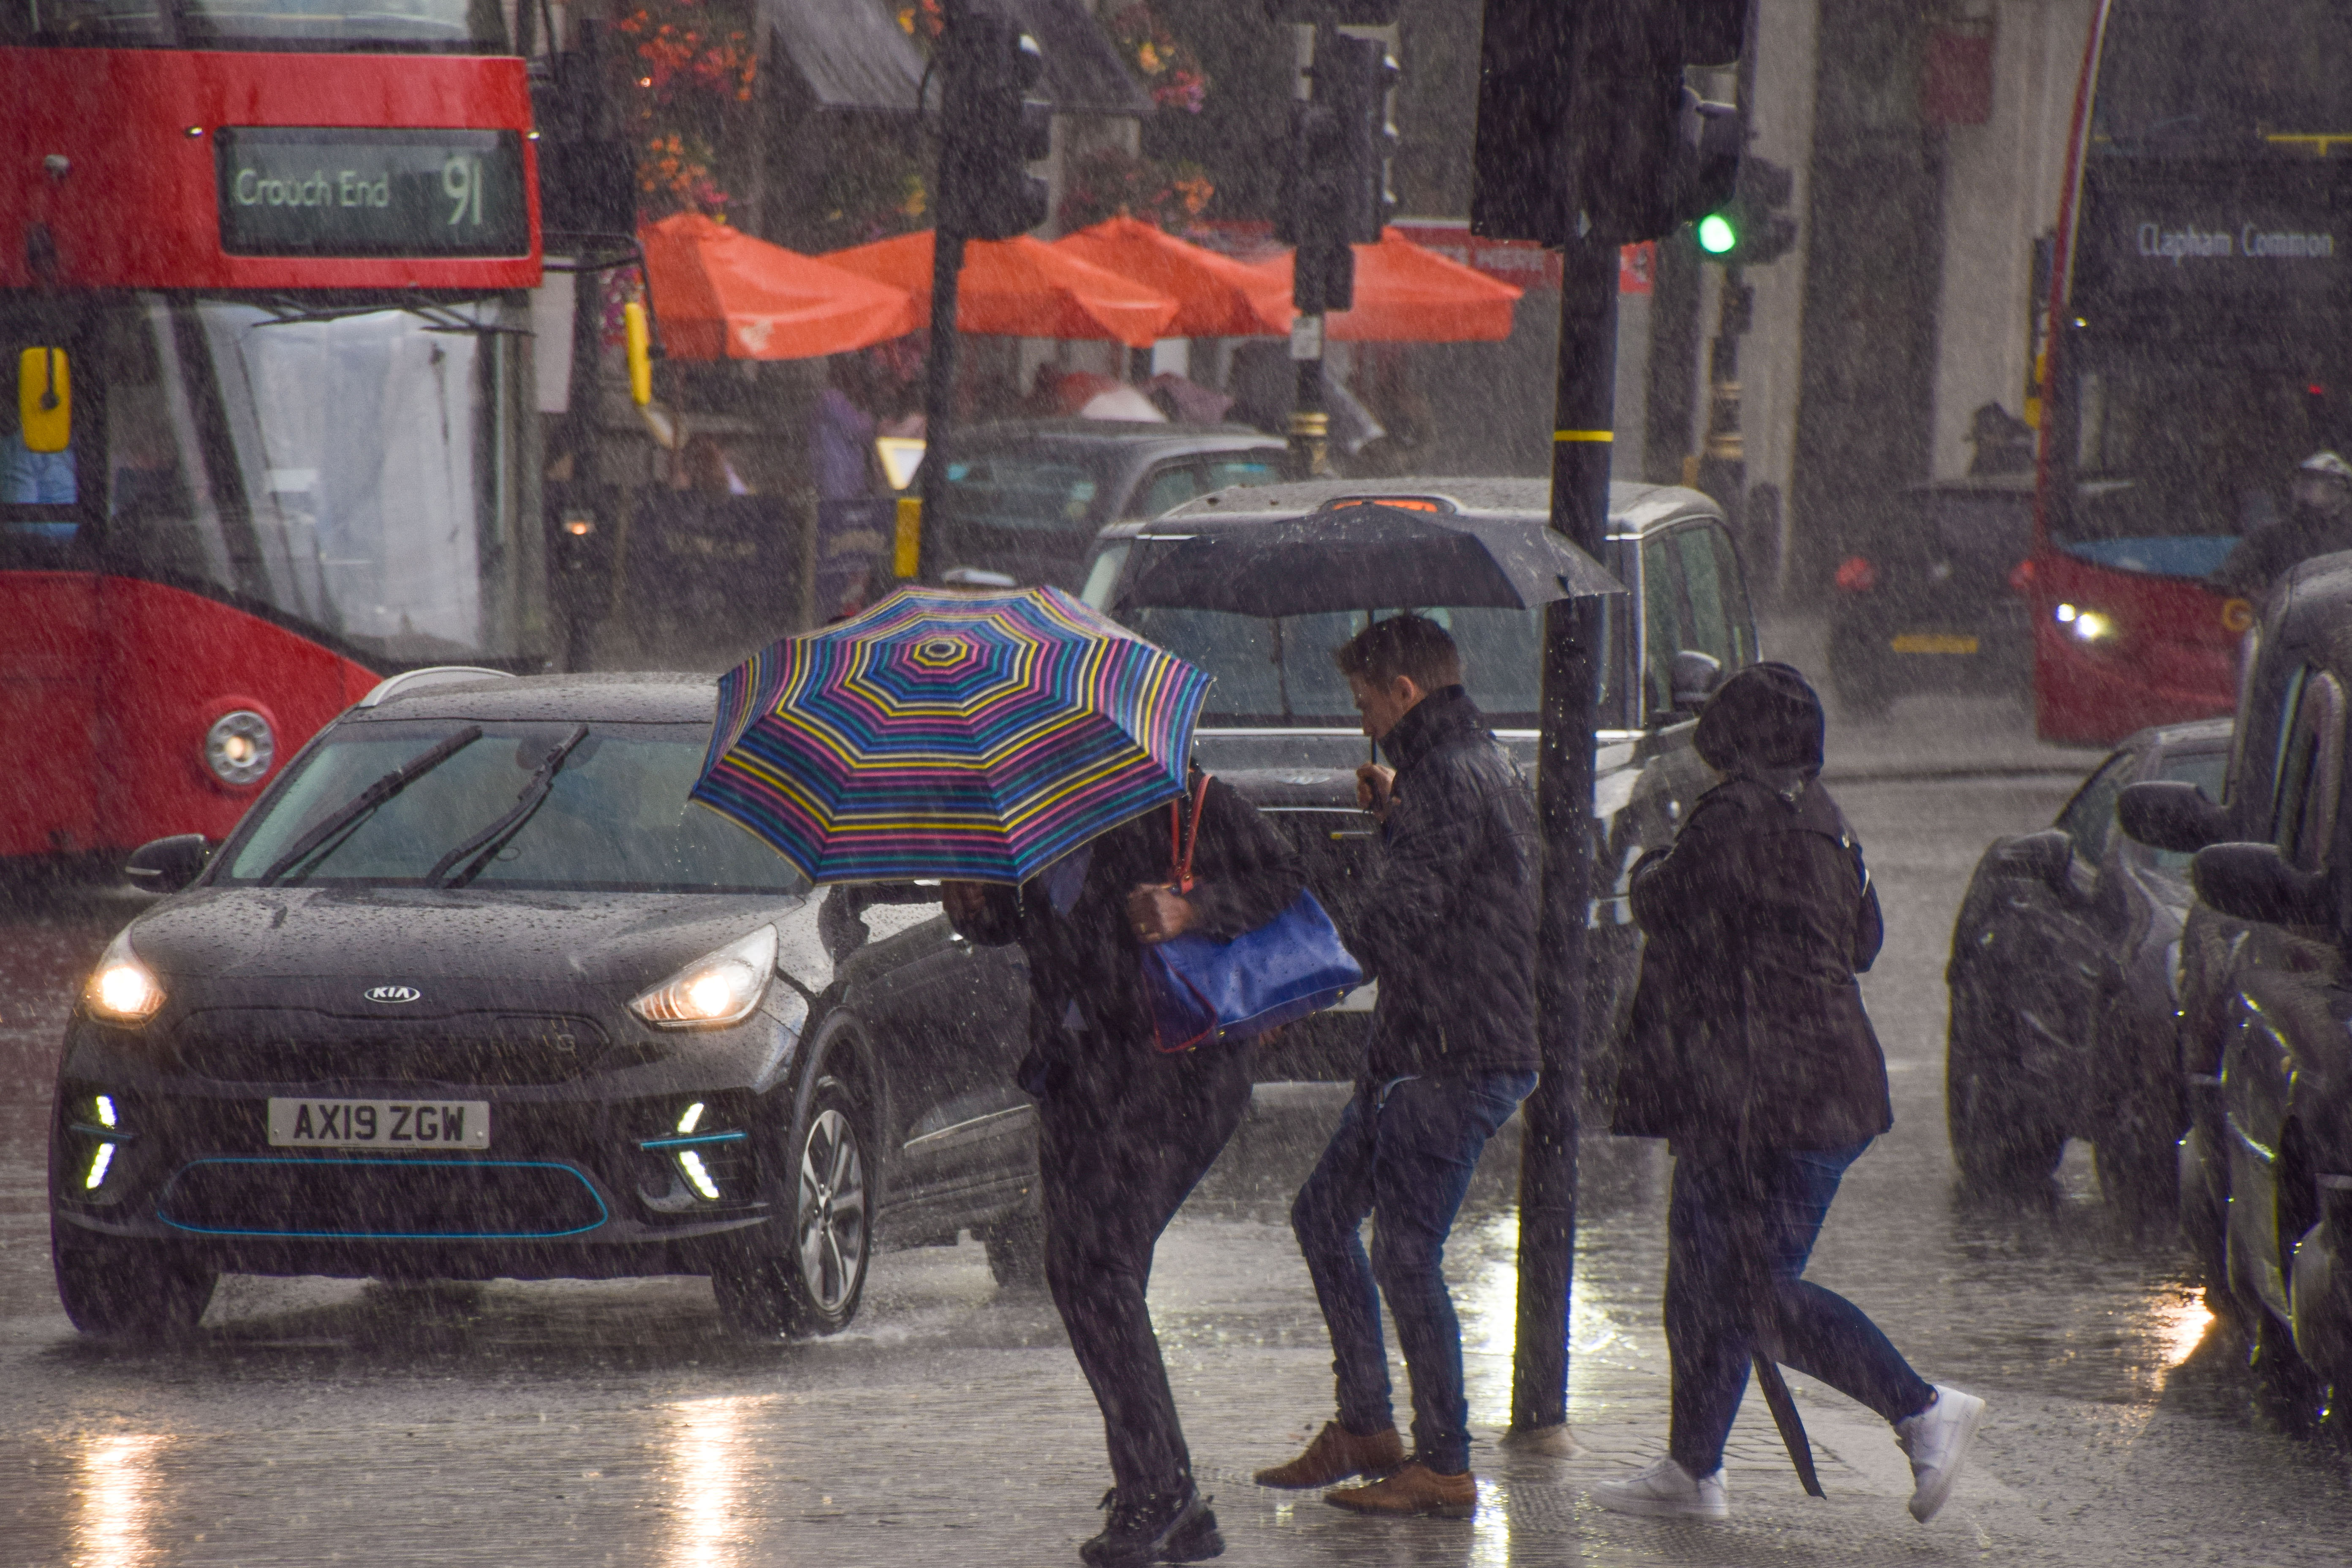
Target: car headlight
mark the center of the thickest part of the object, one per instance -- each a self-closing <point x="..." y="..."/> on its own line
<point x="715" y="990"/>
<point x="121" y="990"/>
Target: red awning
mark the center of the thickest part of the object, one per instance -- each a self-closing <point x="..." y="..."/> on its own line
<point x="718" y="293"/>
<point x="1216" y="296"/>
<point x="1404" y="294"/>
<point x="1020" y="287"/>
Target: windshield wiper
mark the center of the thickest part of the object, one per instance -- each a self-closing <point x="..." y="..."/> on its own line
<point x="366" y="801"/>
<point x="486" y="843"/>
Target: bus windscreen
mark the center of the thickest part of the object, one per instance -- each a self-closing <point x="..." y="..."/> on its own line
<point x="2177" y="76"/>
<point x="466" y="26"/>
<point x="2181" y="455"/>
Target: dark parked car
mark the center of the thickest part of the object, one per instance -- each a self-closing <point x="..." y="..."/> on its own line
<point x="2062" y="979"/>
<point x="1024" y="497"/>
<point x="1923" y="599"/>
<point x="1280" y="727"/>
<point x="474" y="991"/>
<point x="2266" y="1059"/>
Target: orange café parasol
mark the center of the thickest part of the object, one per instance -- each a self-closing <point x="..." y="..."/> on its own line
<point x="1404" y="294"/>
<point x="1020" y="287"/>
<point x="720" y="294"/>
<point x="1216" y="296"/>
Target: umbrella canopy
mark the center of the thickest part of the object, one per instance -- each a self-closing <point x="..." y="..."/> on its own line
<point x="1358" y="555"/>
<point x="1020" y="287"/>
<point x="1404" y="294"/>
<point x="1216" y="296"/>
<point x="970" y="734"/>
<point x="720" y="294"/>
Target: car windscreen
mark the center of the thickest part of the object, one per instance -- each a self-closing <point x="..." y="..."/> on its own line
<point x="1280" y="672"/>
<point x="615" y="819"/>
<point x="1027" y="491"/>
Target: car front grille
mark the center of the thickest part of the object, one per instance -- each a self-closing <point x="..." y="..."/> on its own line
<point x="246" y="1050"/>
<point x="368" y="1197"/>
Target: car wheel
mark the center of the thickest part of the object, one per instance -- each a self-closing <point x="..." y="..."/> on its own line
<point x="2288" y="1388"/>
<point x="2138" y="1150"/>
<point x="812" y="1280"/>
<point x="132" y="1294"/>
<point x="1016" y="1249"/>
<point x="1999" y="1144"/>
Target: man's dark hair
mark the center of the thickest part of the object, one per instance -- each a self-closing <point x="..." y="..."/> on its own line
<point x="1408" y="645"/>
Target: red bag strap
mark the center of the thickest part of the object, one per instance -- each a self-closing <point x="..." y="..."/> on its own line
<point x="1180" y="842"/>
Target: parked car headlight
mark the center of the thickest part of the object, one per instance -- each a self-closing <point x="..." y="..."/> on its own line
<point x="121" y="990"/>
<point x="715" y="990"/>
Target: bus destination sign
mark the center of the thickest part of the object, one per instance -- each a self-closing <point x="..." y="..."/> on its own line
<point x="334" y="192"/>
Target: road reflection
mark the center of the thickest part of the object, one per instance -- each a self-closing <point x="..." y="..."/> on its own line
<point x="116" y="1528"/>
<point x="704" y="1466"/>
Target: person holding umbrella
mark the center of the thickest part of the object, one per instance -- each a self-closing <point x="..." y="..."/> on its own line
<point x="1752" y="1052"/>
<point x="1127" y="1130"/>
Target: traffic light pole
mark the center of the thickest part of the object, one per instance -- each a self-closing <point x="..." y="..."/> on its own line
<point x="1584" y="437"/>
<point x="1310" y="418"/>
<point x="1723" y="462"/>
<point x="939" y="386"/>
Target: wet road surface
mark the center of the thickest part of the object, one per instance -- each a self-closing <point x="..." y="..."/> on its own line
<point x="321" y="1421"/>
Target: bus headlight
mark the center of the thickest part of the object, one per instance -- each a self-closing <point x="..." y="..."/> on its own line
<point x="121" y="990"/>
<point x="239" y="747"/>
<point x="2088" y="625"/>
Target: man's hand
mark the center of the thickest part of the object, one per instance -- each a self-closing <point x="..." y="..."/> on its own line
<point x="1159" y="913"/>
<point x="966" y="902"/>
<point x="1375" y="789"/>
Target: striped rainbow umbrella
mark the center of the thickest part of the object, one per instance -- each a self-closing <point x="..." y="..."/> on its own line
<point x="977" y="735"/>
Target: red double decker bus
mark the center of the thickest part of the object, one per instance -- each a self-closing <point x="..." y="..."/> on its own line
<point x="2199" y="342"/>
<point x="267" y="433"/>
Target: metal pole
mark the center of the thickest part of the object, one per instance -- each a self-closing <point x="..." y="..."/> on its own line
<point x="1584" y="437"/>
<point x="938" y="386"/>
<point x="1722" y="470"/>
<point x="1310" y="421"/>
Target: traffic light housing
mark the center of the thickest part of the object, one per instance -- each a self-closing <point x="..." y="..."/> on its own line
<point x="1335" y="189"/>
<point x="1588" y="125"/>
<point x="990" y="129"/>
<point x="1753" y="228"/>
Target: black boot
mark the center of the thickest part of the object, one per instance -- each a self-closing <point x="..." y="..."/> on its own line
<point x="1155" y="1526"/>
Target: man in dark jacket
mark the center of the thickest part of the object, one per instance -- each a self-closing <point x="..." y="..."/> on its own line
<point x="1751" y="1051"/>
<point x="1128" y="1131"/>
<point x="1450" y="933"/>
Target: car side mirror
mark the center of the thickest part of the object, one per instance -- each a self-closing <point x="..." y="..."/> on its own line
<point x="1692" y="679"/>
<point x="2170" y="814"/>
<point x="168" y="865"/>
<point x="2254" y="882"/>
<point x="2047" y="857"/>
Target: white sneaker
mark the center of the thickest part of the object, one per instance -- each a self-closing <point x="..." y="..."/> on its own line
<point x="1666" y="1490"/>
<point x="1937" y="1440"/>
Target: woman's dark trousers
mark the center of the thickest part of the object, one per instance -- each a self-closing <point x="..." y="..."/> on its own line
<point x="1738" y="1234"/>
<point x="1115" y="1166"/>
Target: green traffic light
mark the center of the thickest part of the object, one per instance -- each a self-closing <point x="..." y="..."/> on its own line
<point x="1715" y="235"/>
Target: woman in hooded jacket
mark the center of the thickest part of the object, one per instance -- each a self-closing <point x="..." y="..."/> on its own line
<point x="1752" y="1052"/>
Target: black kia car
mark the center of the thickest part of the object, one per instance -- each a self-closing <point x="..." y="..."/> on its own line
<point x="1925" y="600"/>
<point x="2065" y="984"/>
<point x="474" y="991"/>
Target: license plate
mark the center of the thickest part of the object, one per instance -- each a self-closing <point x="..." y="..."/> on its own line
<point x="1934" y="642"/>
<point x="380" y="1123"/>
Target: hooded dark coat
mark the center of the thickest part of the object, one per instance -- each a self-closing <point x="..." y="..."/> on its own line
<point x="1748" y="1029"/>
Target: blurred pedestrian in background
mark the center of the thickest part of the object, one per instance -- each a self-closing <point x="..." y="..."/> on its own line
<point x="1449" y="931"/>
<point x="1127" y="1130"/>
<point x="2318" y="522"/>
<point x="1752" y="1052"/>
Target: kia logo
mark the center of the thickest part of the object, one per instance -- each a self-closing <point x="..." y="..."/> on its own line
<point x="394" y="994"/>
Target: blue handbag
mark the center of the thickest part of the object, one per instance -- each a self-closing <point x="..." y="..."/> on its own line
<point x="1199" y="989"/>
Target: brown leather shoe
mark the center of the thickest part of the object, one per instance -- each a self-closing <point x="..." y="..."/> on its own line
<point x="1415" y="1490"/>
<point x="1335" y="1455"/>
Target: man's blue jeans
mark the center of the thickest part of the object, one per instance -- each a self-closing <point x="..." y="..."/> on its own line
<point x="1738" y="1234"/>
<point x="1402" y="1154"/>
